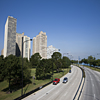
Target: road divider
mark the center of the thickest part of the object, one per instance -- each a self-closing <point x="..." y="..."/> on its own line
<point x="80" y="88"/>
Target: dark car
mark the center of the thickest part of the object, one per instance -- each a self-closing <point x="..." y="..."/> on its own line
<point x="65" y="80"/>
<point x="69" y="71"/>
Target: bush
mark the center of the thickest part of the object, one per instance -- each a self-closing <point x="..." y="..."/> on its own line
<point x="83" y="72"/>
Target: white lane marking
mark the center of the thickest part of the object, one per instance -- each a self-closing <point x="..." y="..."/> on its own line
<point x="41" y="97"/>
<point x="65" y="94"/>
<point x="53" y="88"/>
<point x="47" y="92"/>
<point x="94" y="96"/>
<point x="93" y="84"/>
<point x="57" y="92"/>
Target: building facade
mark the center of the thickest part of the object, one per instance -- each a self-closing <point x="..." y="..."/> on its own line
<point x="10" y="36"/>
<point x="50" y="51"/>
<point x="26" y="47"/>
<point x="2" y="52"/>
<point x="19" y="44"/>
<point x="40" y="45"/>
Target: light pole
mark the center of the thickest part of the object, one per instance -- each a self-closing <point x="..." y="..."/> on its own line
<point x="22" y="63"/>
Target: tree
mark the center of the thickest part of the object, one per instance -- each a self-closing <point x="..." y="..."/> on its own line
<point x="26" y="71"/>
<point x="1" y="68"/>
<point x="56" y="58"/>
<point x="9" y="68"/>
<point x="85" y="61"/>
<point x="98" y="62"/>
<point x="43" y="68"/>
<point x="66" y="62"/>
<point x="35" y="59"/>
<point x="91" y="60"/>
<point x="13" y="70"/>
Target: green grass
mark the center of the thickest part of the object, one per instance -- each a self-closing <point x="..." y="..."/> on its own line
<point x="28" y="87"/>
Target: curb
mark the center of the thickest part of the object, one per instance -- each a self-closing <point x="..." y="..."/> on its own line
<point x="80" y="88"/>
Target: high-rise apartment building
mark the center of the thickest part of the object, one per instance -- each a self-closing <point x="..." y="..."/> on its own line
<point x="50" y="51"/>
<point x="13" y="41"/>
<point x="40" y="44"/>
<point x="10" y="36"/>
<point x="26" y="47"/>
<point x="2" y="52"/>
<point x="19" y="44"/>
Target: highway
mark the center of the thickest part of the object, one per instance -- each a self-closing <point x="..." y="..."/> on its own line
<point x="61" y="91"/>
<point x="91" y="90"/>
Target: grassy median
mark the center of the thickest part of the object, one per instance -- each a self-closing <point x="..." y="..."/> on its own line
<point x="94" y="68"/>
<point x="29" y="87"/>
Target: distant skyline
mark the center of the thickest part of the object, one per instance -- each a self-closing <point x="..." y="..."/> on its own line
<point x="73" y="26"/>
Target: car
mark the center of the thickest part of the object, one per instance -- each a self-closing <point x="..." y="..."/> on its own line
<point x="65" y="80"/>
<point x="56" y="81"/>
<point x="69" y="71"/>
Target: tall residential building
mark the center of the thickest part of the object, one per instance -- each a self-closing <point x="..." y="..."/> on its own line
<point x="34" y="45"/>
<point x="19" y="44"/>
<point x="40" y="44"/>
<point x="10" y="36"/>
<point x="2" y="52"/>
<point x="26" y="47"/>
<point x="50" y="51"/>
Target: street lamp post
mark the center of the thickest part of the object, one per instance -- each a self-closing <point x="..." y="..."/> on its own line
<point x="22" y="63"/>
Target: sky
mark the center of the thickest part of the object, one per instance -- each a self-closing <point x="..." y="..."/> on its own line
<point x="73" y="26"/>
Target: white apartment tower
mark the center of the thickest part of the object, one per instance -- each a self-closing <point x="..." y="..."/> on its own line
<point x="50" y="51"/>
<point x="26" y="47"/>
<point x="19" y="44"/>
<point x="10" y="36"/>
<point x="40" y="45"/>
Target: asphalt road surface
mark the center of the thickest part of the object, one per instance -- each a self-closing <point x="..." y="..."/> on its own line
<point x="61" y="91"/>
<point x="91" y="90"/>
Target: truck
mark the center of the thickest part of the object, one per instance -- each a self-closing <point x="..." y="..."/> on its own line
<point x="56" y="81"/>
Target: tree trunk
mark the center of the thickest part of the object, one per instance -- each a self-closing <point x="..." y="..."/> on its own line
<point x="9" y="87"/>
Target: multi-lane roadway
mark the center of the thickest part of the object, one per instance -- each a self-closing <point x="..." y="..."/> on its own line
<point x="61" y="91"/>
<point x="91" y="90"/>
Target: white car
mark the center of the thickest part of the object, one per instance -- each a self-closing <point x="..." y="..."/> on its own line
<point x="65" y="80"/>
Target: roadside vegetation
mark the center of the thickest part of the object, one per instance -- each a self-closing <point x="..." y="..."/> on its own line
<point x="83" y="72"/>
<point x="94" y="68"/>
<point x="36" y="73"/>
<point x="90" y="62"/>
<point x="93" y="63"/>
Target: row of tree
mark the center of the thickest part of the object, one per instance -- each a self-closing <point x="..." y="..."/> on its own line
<point x="11" y="70"/>
<point x="11" y="67"/>
<point x="91" y="61"/>
<point x="45" y="67"/>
